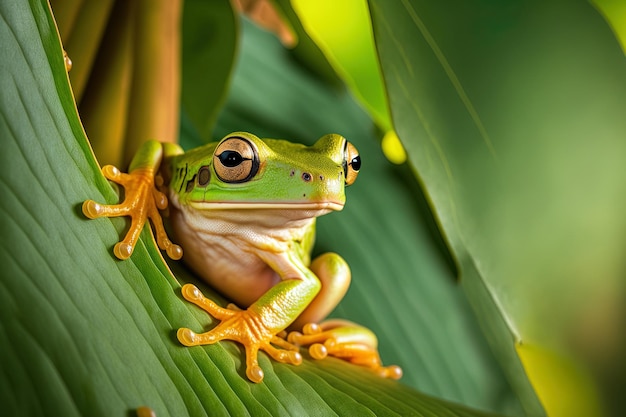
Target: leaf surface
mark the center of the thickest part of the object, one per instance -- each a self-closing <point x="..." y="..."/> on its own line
<point x="513" y="118"/>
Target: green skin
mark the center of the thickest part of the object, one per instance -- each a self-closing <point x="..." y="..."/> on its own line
<point x="251" y="238"/>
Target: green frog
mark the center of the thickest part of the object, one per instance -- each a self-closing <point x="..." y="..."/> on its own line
<point x="244" y="211"/>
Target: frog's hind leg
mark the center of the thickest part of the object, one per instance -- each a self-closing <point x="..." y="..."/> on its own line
<point x="334" y="274"/>
<point x="346" y="340"/>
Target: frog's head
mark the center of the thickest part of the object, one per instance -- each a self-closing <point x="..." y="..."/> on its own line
<point x="245" y="172"/>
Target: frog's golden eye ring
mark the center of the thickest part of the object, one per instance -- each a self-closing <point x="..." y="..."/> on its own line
<point x="235" y="160"/>
<point x="351" y="163"/>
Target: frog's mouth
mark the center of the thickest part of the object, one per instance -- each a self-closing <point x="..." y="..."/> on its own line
<point x="269" y="205"/>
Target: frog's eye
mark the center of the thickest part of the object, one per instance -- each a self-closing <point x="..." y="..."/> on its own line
<point x="235" y="160"/>
<point x="351" y="163"/>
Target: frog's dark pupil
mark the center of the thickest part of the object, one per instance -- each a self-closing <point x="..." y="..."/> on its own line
<point x="230" y="158"/>
<point x="356" y="163"/>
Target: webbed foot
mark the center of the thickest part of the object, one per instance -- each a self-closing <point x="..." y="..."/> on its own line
<point x="142" y="201"/>
<point x="344" y="340"/>
<point x="243" y="326"/>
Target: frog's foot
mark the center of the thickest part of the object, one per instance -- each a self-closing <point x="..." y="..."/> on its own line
<point x="243" y="326"/>
<point x="345" y="340"/>
<point x="142" y="201"/>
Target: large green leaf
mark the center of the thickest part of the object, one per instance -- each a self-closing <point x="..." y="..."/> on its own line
<point x="85" y="334"/>
<point x="513" y="117"/>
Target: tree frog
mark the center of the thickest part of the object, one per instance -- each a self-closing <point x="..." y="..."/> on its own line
<point x="244" y="210"/>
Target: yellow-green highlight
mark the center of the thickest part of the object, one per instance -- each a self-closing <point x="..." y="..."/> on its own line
<point x="392" y="148"/>
<point x="562" y="387"/>
<point x="343" y="31"/>
<point x="614" y="11"/>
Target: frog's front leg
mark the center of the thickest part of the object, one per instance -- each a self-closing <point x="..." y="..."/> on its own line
<point x="257" y="327"/>
<point x="142" y="201"/>
<point x="247" y="327"/>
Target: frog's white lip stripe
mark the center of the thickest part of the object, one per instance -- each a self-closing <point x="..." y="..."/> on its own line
<point x="325" y="205"/>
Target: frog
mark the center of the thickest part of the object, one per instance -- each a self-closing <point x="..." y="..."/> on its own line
<point x="244" y="209"/>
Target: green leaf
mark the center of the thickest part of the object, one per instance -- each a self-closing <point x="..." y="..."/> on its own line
<point x="614" y="11"/>
<point x="82" y="333"/>
<point x="306" y="50"/>
<point x="351" y="49"/>
<point x="209" y="47"/>
<point x="512" y="115"/>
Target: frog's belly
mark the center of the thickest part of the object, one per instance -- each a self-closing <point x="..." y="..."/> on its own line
<point x="242" y="277"/>
<point x="227" y="263"/>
